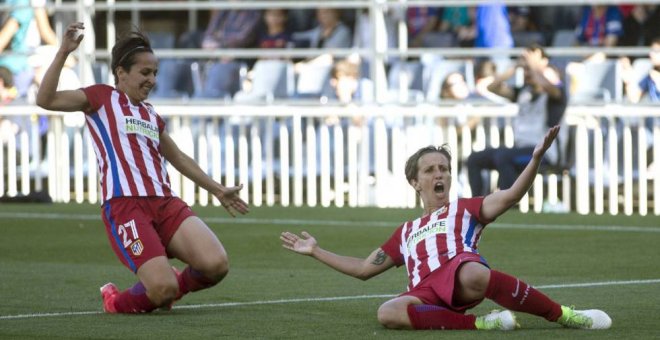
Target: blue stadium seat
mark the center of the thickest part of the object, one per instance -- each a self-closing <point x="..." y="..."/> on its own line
<point x="221" y="80"/>
<point x="411" y="73"/>
<point x="174" y="79"/>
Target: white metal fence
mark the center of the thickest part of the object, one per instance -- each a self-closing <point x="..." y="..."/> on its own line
<point x="288" y="155"/>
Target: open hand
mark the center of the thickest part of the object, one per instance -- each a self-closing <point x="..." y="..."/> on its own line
<point x="543" y="146"/>
<point x="301" y="245"/>
<point x="71" y="38"/>
<point x="231" y="201"/>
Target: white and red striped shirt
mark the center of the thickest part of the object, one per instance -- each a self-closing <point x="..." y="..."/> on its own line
<point x="425" y="244"/>
<point x="126" y="141"/>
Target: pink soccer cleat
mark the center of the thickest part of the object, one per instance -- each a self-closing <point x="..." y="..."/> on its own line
<point x="109" y="293"/>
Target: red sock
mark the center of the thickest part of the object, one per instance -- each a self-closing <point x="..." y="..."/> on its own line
<point x="511" y="293"/>
<point x="191" y="280"/>
<point x="134" y="300"/>
<point x="436" y="317"/>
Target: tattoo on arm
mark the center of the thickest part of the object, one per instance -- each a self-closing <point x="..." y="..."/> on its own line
<point x="380" y="258"/>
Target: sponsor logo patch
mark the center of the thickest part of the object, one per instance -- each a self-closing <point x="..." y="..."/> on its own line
<point x="437" y="227"/>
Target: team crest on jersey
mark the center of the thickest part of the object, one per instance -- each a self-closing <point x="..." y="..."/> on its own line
<point x="137" y="248"/>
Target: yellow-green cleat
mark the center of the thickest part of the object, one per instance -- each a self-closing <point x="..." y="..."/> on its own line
<point x="497" y="321"/>
<point x="584" y="319"/>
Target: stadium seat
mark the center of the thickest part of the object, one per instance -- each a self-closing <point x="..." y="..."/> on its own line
<point x="594" y="82"/>
<point x="314" y="81"/>
<point x="641" y="68"/>
<point x="221" y="80"/>
<point x="524" y="39"/>
<point x="161" y="40"/>
<point x="410" y="75"/>
<point x="174" y="79"/>
<point x="439" y="39"/>
<point x="564" y="38"/>
<point x="271" y="79"/>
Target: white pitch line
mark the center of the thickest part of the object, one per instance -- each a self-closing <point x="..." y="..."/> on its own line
<point x="297" y="223"/>
<point x="321" y="299"/>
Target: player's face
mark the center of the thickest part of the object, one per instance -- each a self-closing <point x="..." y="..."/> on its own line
<point x="138" y="82"/>
<point x="433" y="179"/>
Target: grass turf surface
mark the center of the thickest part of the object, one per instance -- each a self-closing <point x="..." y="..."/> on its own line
<point x="53" y="259"/>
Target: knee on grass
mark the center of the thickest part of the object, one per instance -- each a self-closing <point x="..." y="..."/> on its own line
<point x="163" y="293"/>
<point x="393" y="317"/>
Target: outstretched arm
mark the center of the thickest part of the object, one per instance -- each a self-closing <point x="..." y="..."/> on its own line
<point x="363" y="269"/>
<point x="498" y="202"/>
<point x="48" y="97"/>
<point x="188" y="167"/>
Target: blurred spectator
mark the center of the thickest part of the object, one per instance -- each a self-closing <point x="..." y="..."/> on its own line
<point x="520" y="19"/>
<point x="492" y="25"/>
<point x="231" y="29"/>
<point x="420" y="21"/>
<point x="601" y="26"/>
<point x="8" y="91"/>
<point x="7" y="94"/>
<point x="40" y="31"/>
<point x="276" y="34"/>
<point x="541" y="103"/>
<point x="484" y="75"/>
<point x="13" y="36"/>
<point x="641" y="26"/>
<point x="454" y="87"/>
<point x="460" y="21"/>
<point x="650" y="85"/>
<point x="330" y="32"/>
<point x="364" y="35"/>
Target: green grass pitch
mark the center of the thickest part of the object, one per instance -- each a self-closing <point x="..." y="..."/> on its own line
<point x="54" y="258"/>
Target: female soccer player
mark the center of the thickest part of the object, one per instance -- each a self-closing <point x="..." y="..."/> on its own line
<point x="439" y="249"/>
<point x="145" y="222"/>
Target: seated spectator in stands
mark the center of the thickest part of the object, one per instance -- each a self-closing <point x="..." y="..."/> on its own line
<point x="641" y="26"/>
<point x="455" y="88"/>
<point x="276" y="33"/>
<point x="601" y="26"/>
<point x="364" y="35"/>
<point x="649" y="86"/>
<point x="493" y="27"/>
<point x="231" y="29"/>
<point x="13" y="38"/>
<point x="520" y="19"/>
<point x="8" y="93"/>
<point x="330" y="32"/>
<point x="541" y="103"/>
<point x="420" y="21"/>
<point x="460" y="21"/>
<point x="484" y="75"/>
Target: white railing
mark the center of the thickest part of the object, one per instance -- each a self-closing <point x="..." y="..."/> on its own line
<point x="287" y="155"/>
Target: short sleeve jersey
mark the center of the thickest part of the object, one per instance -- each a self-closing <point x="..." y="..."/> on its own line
<point x="427" y="243"/>
<point x="126" y="140"/>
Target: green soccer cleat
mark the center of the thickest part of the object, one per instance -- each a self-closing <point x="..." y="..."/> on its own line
<point x="497" y="321"/>
<point x="584" y="319"/>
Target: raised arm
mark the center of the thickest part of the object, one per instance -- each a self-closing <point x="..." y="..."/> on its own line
<point x="69" y="100"/>
<point x="498" y="202"/>
<point x="363" y="269"/>
<point x="187" y="166"/>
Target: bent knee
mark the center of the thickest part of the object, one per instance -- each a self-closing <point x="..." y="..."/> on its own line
<point x="393" y="318"/>
<point x="215" y="268"/>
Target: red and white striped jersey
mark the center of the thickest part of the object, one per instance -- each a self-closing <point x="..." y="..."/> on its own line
<point x="126" y="141"/>
<point x="425" y="244"/>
